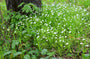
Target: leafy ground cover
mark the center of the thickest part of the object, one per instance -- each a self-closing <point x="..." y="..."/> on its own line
<point x="60" y="31"/>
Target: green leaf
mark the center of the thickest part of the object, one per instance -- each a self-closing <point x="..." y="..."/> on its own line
<point x="9" y="52"/>
<point x="1" y="42"/>
<point x="21" y="4"/>
<point x="51" y="53"/>
<point x="14" y="43"/>
<point x="44" y="52"/>
<point x="23" y="32"/>
<point x="53" y="58"/>
<point x="34" y="57"/>
<point x="17" y="53"/>
<point x="85" y="56"/>
<point x="31" y="52"/>
<point x="27" y="56"/>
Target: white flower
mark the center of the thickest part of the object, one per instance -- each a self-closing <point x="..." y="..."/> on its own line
<point x="53" y="4"/>
<point x="83" y="39"/>
<point x="86" y="45"/>
<point x="46" y="24"/>
<point x="37" y="19"/>
<point x="60" y="37"/>
<point x="48" y="32"/>
<point x="47" y="29"/>
<point x="55" y="37"/>
<point x="63" y="40"/>
<point x="62" y="32"/>
<point x="55" y="32"/>
<point x="87" y="14"/>
<point x="37" y="36"/>
<point x="31" y="22"/>
<point x="77" y="14"/>
<point x="85" y="10"/>
<point x="56" y="41"/>
<point x="8" y="29"/>
<point x="67" y="43"/>
<point x="14" y="31"/>
<point x="65" y="36"/>
<point x="59" y="14"/>
<point x="36" y="44"/>
<point x="50" y="22"/>
<point x="3" y="27"/>
<point x="81" y="43"/>
<point x="51" y="28"/>
<point x="16" y="27"/>
<point x="58" y="23"/>
<point x="69" y="31"/>
<point x="59" y="40"/>
<point x="34" y="22"/>
<point x="64" y="25"/>
<point x="44" y="37"/>
<point x="63" y="46"/>
<point x="46" y="40"/>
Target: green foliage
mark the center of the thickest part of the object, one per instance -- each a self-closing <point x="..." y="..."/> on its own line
<point x="27" y="57"/>
<point x="61" y="29"/>
<point x="86" y="56"/>
<point x="44" y="52"/>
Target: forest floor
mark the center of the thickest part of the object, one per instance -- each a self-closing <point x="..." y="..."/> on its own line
<point x="59" y="31"/>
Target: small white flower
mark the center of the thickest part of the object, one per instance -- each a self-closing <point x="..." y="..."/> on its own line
<point x="37" y="36"/>
<point x="53" y="4"/>
<point x="8" y="29"/>
<point x="87" y="14"/>
<point x="83" y="39"/>
<point x="60" y="37"/>
<point x="56" y="41"/>
<point x="65" y="36"/>
<point x="31" y="22"/>
<point x="55" y="32"/>
<point x="37" y="19"/>
<point x="36" y="44"/>
<point x="82" y="18"/>
<point x="50" y="22"/>
<point x="3" y="27"/>
<point x="46" y="40"/>
<point x="43" y="36"/>
<point x="14" y="31"/>
<point x="59" y="40"/>
<point x="24" y="36"/>
<point x="47" y="29"/>
<point x="48" y="32"/>
<point x="58" y="23"/>
<point x="85" y="10"/>
<point x="30" y="17"/>
<point x="40" y="21"/>
<point x="81" y="43"/>
<point x="34" y="22"/>
<point x="86" y="45"/>
<point x="67" y="43"/>
<point x="55" y="37"/>
<point x="63" y="40"/>
<point x="64" y="25"/>
<point x="46" y="24"/>
<point x="51" y="28"/>
<point x="63" y="46"/>
<point x="69" y="31"/>
<point x="62" y="32"/>
<point x="77" y="14"/>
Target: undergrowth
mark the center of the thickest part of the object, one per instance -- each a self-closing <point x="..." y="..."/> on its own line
<point x="59" y="30"/>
